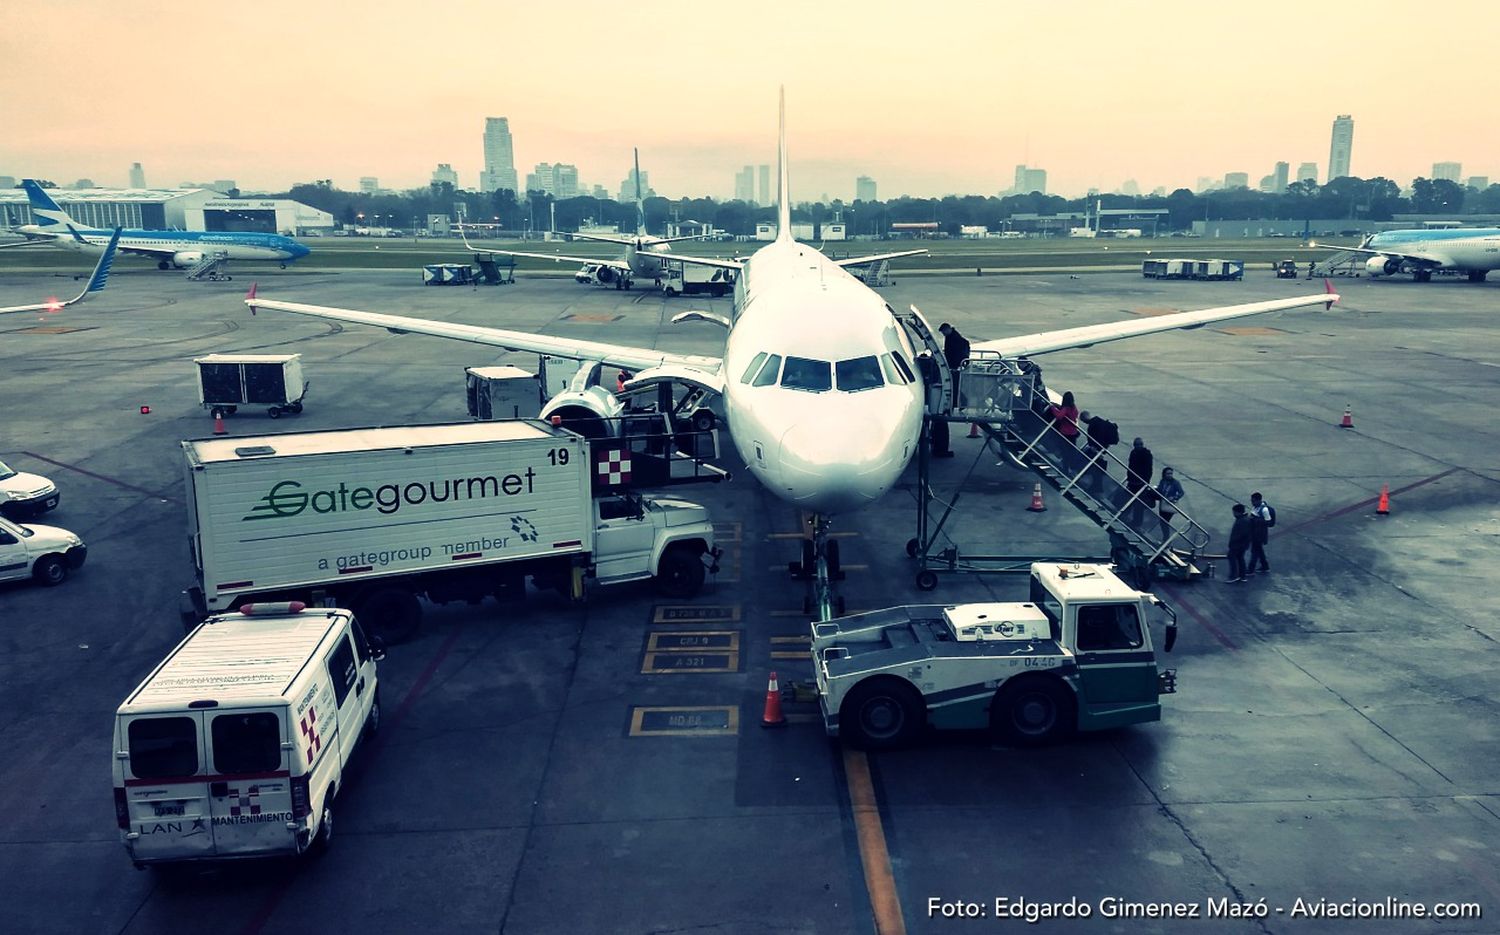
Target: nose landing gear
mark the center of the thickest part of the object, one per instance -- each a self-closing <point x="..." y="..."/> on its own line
<point x="820" y="568"/>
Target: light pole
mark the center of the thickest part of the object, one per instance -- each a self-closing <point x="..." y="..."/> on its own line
<point x="361" y="218"/>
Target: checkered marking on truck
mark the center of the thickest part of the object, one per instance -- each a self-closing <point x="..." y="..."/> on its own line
<point x="310" y="734"/>
<point x="247" y="803"/>
<point x="613" y="467"/>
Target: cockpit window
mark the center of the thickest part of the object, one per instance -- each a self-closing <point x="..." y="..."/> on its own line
<point x="859" y="373"/>
<point x="904" y="367"/>
<point x="754" y="367"/>
<point x="768" y="373"/>
<point x="892" y="375"/>
<point x="804" y="374"/>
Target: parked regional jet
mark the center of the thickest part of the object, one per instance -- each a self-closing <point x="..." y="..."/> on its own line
<point x="643" y="256"/>
<point x="818" y="379"/>
<point x="1471" y="250"/>
<point x="180" y="249"/>
<point x="96" y="282"/>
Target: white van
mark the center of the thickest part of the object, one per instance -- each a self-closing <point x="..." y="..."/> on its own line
<point x="45" y="553"/>
<point x="235" y="746"/>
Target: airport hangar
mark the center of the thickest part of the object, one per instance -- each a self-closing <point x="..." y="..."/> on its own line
<point x="190" y="209"/>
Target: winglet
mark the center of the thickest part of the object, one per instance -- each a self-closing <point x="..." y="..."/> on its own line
<point x="1328" y="288"/>
<point x="250" y="297"/>
<point x="106" y="262"/>
<point x="784" y="192"/>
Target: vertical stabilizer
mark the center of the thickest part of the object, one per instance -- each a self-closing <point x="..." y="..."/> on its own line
<point x="44" y="211"/>
<point x="783" y="189"/>
<point x="640" y="202"/>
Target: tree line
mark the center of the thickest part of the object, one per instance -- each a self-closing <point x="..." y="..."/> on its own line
<point x="1377" y="199"/>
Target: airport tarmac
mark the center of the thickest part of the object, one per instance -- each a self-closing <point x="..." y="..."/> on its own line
<point x="1334" y="736"/>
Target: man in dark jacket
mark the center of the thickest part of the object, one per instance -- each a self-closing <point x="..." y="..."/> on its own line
<point x="1139" y="471"/>
<point x="937" y="429"/>
<point x="1239" y="541"/>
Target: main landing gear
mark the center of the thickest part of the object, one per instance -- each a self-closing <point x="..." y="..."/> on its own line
<point x="819" y="567"/>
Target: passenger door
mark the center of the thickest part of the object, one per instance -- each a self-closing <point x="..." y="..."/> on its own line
<point x="1116" y="668"/>
<point x="166" y="793"/>
<point x="623" y="537"/>
<point x="348" y="692"/>
<point x="15" y="560"/>
<point x="250" y="792"/>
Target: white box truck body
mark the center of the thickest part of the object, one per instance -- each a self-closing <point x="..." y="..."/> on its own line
<point x="373" y="518"/>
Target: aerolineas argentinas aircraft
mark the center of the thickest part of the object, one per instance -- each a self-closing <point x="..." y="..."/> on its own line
<point x="818" y="380"/>
<point x="644" y="254"/>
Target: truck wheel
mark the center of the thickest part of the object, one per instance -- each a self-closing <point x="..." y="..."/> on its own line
<point x="881" y="713"/>
<point x="324" y="840"/>
<point x="296" y="408"/>
<point x="50" y="570"/>
<point x="391" y="612"/>
<point x="372" y="720"/>
<point x="1033" y="712"/>
<point x="680" y="573"/>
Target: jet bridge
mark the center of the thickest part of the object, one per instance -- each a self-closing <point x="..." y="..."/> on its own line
<point x="1008" y="401"/>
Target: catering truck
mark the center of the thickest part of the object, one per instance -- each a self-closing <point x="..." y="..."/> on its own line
<point x="1078" y="656"/>
<point x="374" y="518"/>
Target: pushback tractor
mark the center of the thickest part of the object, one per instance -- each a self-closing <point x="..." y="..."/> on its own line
<point x="1078" y="656"/>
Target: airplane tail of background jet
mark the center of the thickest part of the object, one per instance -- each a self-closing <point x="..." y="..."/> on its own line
<point x="45" y="212"/>
<point x="640" y="202"/>
<point x="783" y="188"/>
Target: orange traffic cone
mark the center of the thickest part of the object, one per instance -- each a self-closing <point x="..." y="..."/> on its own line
<point x="1348" y="422"/>
<point x="773" y="716"/>
<point x="973" y="429"/>
<point x="219" y="428"/>
<point x="1383" y="508"/>
<point x="1037" y="506"/>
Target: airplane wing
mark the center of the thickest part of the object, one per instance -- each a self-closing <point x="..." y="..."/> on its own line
<point x="96" y="282"/>
<point x="1089" y="335"/>
<point x="24" y="243"/>
<point x="614" y="355"/>
<point x="699" y="261"/>
<point x="592" y="261"/>
<point x="877" y="257"/>
<point x="1411" y="257"/>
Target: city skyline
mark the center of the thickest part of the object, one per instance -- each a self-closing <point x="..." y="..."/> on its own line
<point x="962" y="131"/>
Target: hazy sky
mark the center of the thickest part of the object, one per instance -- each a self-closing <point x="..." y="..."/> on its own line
<point x="927" y="98"/>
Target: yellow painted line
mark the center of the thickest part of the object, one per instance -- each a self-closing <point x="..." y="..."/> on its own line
<point x="873" y="853"/>
<point x="791" y="639"/>
<point x="693" y="641"/>
<point x="804" y="654"/>
<point x="682" y="719"/>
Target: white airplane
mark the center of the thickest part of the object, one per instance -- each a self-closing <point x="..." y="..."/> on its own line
<point x="1471" y="250"/>
<point x="818" y="380"/>
<point x="180" y="249"/>
<point x="96" y="282"/>
<point x="643" y="256"/>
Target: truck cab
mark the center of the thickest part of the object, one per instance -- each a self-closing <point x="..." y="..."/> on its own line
<point x="638" y="537"/>
<point x="1078" y="656"/>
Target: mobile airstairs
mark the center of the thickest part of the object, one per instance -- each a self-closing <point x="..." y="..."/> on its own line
<point x="1008" y="402"/>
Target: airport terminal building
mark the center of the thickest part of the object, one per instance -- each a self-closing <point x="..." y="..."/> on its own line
<point x="192" y="209"/>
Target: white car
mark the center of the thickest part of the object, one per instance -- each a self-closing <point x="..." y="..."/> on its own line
<point x="586" y="274"/>
<point x="25" y="494"/>
<point x="45" y="553"/>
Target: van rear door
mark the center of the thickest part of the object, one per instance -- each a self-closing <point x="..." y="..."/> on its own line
<point x="166" y="795"/>
<point x="250" y="789"/>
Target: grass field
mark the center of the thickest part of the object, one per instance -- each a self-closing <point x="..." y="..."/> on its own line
<point x="962" y="256"/>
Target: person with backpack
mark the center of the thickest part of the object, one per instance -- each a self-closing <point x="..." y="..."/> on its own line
<point x="1262" y="518"/>
<point x="1169" y="491"/>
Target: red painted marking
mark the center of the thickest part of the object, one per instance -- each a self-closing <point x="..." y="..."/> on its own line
<point x="1371" y="501"/>
<point x="351" y="571"/>
<point x="263" y="914"/>
<point x="234" y="584"/>
<point x="108" y="480"/>
<point x="466" y="555"/>
<point x="1180" y="601"/>
<point x="212" y="777"/>
<point x="566" y="545"/>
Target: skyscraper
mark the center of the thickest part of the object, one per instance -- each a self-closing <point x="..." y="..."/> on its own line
<point x="1342" y="147"/>
<point x="1282" y="169"/>
<point x="1451" y="171"/>
<point x="744" y="185"/>
<point x="1308" y="172"/>
<point x="1030" y="180"/>
<point x="864" y="188"/>
<point x="499" y="156"/>
<point x="1236" y="180"/>
<point x="137" y="176"/>
<point x="444" y="174"/>
<point x="765" y="186"/>
<point x="369" y="184"/>
<point x="565" y="180"/>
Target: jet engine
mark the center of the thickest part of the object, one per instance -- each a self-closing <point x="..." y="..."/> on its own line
<point x="182" y="259"/>
<point x="607" y="274"/>
<point x="593" y="412"/>
<point x="1382" y="266"/>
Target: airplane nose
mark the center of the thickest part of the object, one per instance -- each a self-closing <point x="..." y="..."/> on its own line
<point x="834" y="468"/>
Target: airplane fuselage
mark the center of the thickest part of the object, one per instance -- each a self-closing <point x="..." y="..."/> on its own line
<point x="1464" y="249"/>
<point x="817" y="406"/>
<point x="166" y="244"/>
